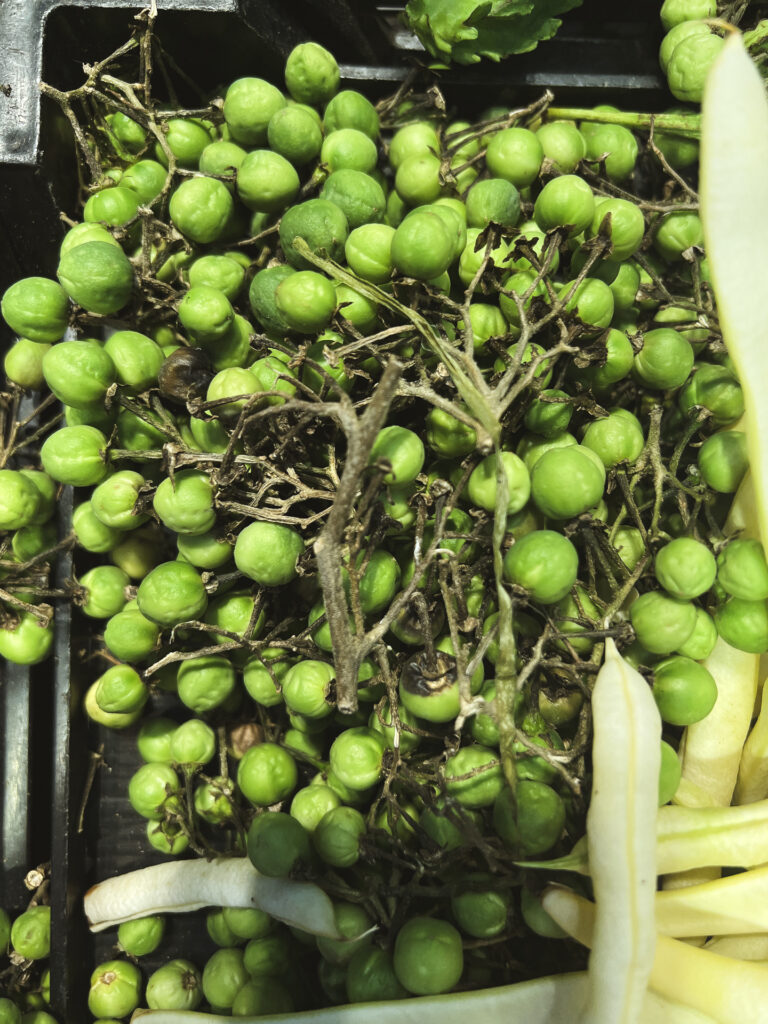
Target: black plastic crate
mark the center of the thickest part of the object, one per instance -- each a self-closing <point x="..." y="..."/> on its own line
<point x="603" y="52"/>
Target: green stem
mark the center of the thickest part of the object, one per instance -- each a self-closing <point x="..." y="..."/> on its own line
<point x="679" y="124"/>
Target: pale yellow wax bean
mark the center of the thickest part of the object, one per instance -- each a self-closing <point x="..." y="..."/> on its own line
<point x="737" y="904"/>
<point x="696" y="837"/>
<point x="184" y="886"/>
<point x="740" y="947"/>
<point x="733" y="190"/>
<point x="730" y="991"/>
<point x="688" y="794"/>
<point x="550" y="1000"/>
<point x="692" y="837"/>
<point x="621" y="840"/>
<point x="752" y="783"/>
<point x="742" y="516"/>
<point x="713" y="746"/>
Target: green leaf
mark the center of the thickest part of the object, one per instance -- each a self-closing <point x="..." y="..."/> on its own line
<point x="465" y="31"/>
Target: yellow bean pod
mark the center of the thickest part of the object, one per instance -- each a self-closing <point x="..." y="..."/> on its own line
<point x="621" y="841"/>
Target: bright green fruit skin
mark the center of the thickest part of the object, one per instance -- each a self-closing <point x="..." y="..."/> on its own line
<point x="686" y="568"/>
<point x="403" y="449"/>
<point x="537" y="821"/>
<point x="617" y="437"/>
<point x="662" y="623"/>
<point x="514" y="154"/>
<point x="86" y="232"/>
<point x="422" y="246"/>
<point x="206" y="682"/>
<point x="685" y="691"/>
<point x="368" y="250"/>
<point x="277" y="843"/>
<point x="130" y="636"/>
<point x="75" y="455"/>
<point x="26" y="643"/>
<point x="743" y="624"/>
<point x="186" y="138"/>
<point x="295" y="134"/>
<point x="91" y="533"/>
<point x="98" y="276"/>
<point x="545" y="563"/>
<point x="715" y="388"/>
<point x="120" y="690"/>
<point x="617" y="142"/>
<point x="31" y="933"/>
<point x="358" y="195"/>
<point x="115" y="989"/>
<point x="206" y="313"/>
<point x="174" y="986"/>
<point x="143" y="936"/>
<point x="565" y="202"/>
<point x="592" y="301"/>
<point x="336" y="838"/>
<point x="149" y="788"/>
<point x="146" y="178"/>
<point x="481" y="789"/>
<point x="742" y="570"/>
<point x="311" y="74"/>
<point x="36" y="308"/>
<point x="260" y="684"/>
<point x="136" y="358"/>
<point x="310" y="805"/>
<point x="266" y="181"/>
<point x="268" y="552"/>
<point x="267" y="774"/>
<point x="348" y="147"/>
<point x="201" y="208"/>
<point x="111" y="206"/>
<point x="550" y="414"/>
<point x="481" y="913"/>
<point x="563" y="144"/>
<point x="702" y="640"/>
<point x="78" y="372"/>
<point x="356" y="757"/>
<point x="223" y="976"/>
<point x="321" y="224"/>
<point x="249" y="105"/>
<point x="19" y="500"/>
<point x="193" y="743"/>
<point x="665" y="360"/>
<point x="670" y="774"/>
<point x="627" y="226"/>
<point x="481" y="488"/>
<point x="9" y="1011"/>
<point x="723" y="460"/>
<point x="676" y="232"/>
<point x="677" y="12"/>
<point x="565" y="482"/>
<point x="185" y="503"/>
<point x="428" y="958"/>
<point x="172" y="593"/>
<point x="114" y="499"/>
<point x="350" y="109"/>
<point x="371" y="977"/>
<point x="689" y="65"/>
<point x="447" y="436"/>
<point x="492" y="200"/>
<point x="23" y="363"/>
<point x="306" y="301"/>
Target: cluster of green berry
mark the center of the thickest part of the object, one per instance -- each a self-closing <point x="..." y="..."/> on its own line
<point x="27" y="989"/>
<point x="554" y="466"/>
